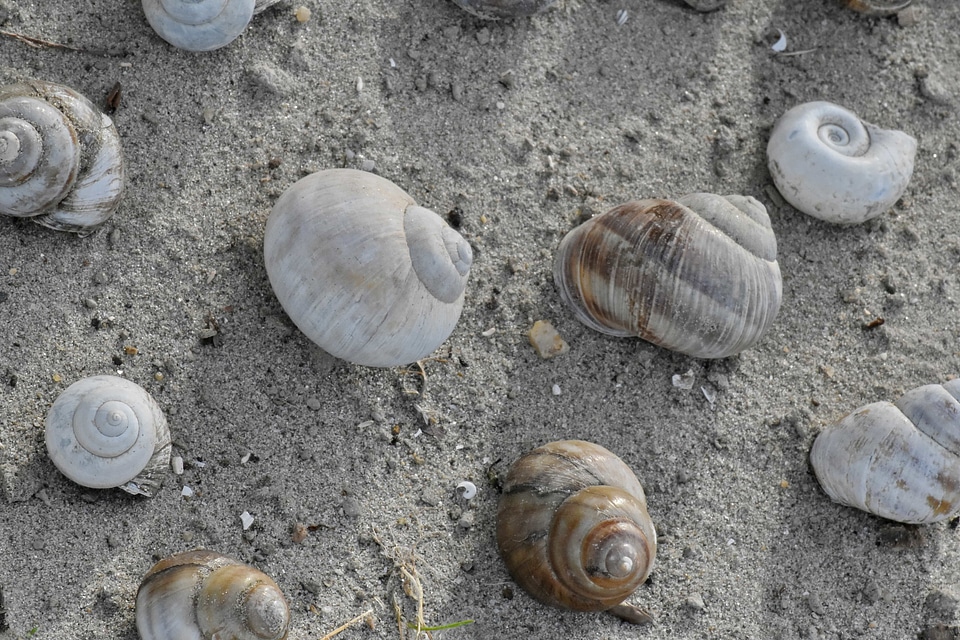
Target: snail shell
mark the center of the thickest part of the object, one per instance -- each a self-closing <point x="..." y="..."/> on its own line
<point x="201" y="25"/>
<point x="362" y="270"/>
<point x="61" y="163"/>
<point x="698" y="275"/>
<point x="202" y="595"/>
<point x="899" y="460"/>
<point x="573" y="528"/>
<point x="878" y="7"/>
<point x="829" y="164"/>
<point x="105" y="432"/>
<point x="496" y="9"/>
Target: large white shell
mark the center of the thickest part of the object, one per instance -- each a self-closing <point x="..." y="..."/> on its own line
<point x="105" y="432"/>
<point x="203" y="595"/>
<point x="201" y="25"/>
<point x="829" y="164"/>
<point x="900" y="461"/>
<point x="698" y="275"/>
<point x="60" y="158"/>
<point x="364" y="271"/>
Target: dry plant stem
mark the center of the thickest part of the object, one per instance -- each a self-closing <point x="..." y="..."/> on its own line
<point x="38" y="43"/>
<point x="347" y="625"/>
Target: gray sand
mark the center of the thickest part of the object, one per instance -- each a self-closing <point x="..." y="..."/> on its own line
<point x="520" y="126"/>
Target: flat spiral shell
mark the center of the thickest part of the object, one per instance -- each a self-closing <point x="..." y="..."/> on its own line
<point x="105" y="432"/>
<point x="61" y="163"/>
<point x="203" y="595"/>
<point x="829" y="164"/>
<point x="698" y="275"/>
<point x="201" y="25"/>
<point x="362" y="270"/>
<point x="496" y="9"/>
<point x="899" y="460"/>
<point x="573" y="527"/>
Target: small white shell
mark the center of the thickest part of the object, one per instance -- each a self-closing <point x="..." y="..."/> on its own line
<point x="61" y="163"/>
<point x="899" y="460"/>
<point x="105" y="432"/>
<point x="201" y="25"/>
<point x="203" y="595"/>
<point x="698" y="275"/>
<point x="829" y="164"/>
<point x="362" y="270"/>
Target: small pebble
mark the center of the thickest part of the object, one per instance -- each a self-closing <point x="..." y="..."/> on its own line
<point x="176" y="463"/>
<point x="351" y="507"/>
<point x="430" y="497"/>
<point x="941" y="604"/>
<point x="186" y="492"/>
<point x="556" y="389"/>
<point x="815" y="603"/>
<point x="301" y="13"/>
<point x="694" y="602"/>
<point x="684" y="380"/>
<point x="90" y="303"/>
<point x="546" y="341"/>
<point x="313" y="403"/>
<point x="466" y="520"/>
<point x="246" y="520"/>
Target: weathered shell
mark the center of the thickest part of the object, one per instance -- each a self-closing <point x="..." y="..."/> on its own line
<point x="203" y="595"/>
<point x="706" y="5"/>
<point x="61" y="163"/>
<point x="698" y="275"/>
<point x="496" y="9"/>
<point x="573" y="527"/>
<point x="201" y="25"/>
<point x="362" y="270"/>
<point x="829" y="164"/>
<point x="105" y="432"/>
<point x="900" y="461"/>
<point x="878" y="7"/>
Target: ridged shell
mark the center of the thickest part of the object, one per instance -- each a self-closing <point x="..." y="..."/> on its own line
<point x="203" y="595"/>
<point x="201" y="25"/>
<point x="60" y="158"/>
<point x="496" y="9"/>
<point x="899" y="460"/>
<point x="573" y="527"/>
<point x="698" y="275"/>
<point x="878" y="7"/>
<point x="362" y="270"/>
<point x="829" y="164"/>
<point x="104" y="432"/>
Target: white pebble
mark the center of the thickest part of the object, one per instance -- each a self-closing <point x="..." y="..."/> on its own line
<point x="176" y="463"/>
<point x="556" y="389"/>
<point x="246" y="520"/>
<point x="186" y="492"/>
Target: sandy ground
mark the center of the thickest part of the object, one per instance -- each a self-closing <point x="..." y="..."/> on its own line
<point x="517" y="126"/>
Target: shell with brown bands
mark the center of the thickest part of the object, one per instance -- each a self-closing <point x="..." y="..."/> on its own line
<point x="698" y="275"/>
<point x="878" y="7"/>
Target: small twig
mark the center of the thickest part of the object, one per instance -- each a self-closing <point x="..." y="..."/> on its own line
<point x="347" y="625"/>
<point x="784" y="54"/>
<point x="38" y="43"/>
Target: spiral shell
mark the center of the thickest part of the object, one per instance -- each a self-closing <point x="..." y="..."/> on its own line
<point x="362" y="270"/>
<point x="496" y="9"/>
<point x="698" y="275"/>
<point x="829" y="164"/>
<point x="105" y="432"/>
<point x="201" y="25"/>
<point x="573" y="528"/>
<point x="61" y="163"/>
<point x="899" y="460"/>
<point x="203" y="595"/>
<point x="878" y="7"/>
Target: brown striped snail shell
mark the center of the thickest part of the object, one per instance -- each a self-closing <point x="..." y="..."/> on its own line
<point x="203" y="595"/>
<point x="898" y="460"/>
<point x="60" y="158"/>
<point x="877" y="7"/>
<point x="573" y="527"/>
<point x="698" y="275"/>
<point x="496" y="9"/>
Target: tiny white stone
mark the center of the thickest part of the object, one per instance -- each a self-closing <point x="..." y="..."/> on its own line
<point x="359" y="85"/>
<point x="556" y="389"/>
<point x="176" y="463"/>
<point x="246" y="458"/>
<point x="246" y="520"/>
<point x="186" y="492"/>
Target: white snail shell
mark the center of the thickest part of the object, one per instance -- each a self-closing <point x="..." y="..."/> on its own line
<point x="104" y="432"/>
<point x="829" y="164"/>
<point x="61" y="163"/>
<point x="203" y="595"/>
<point x="496" y="9"/>
<point x="573" y="527"/>
<point x="899" y="460"/>
<point x="362" y="270"/>
<point x="698" y="275"/>
<point x="201" y="25"/>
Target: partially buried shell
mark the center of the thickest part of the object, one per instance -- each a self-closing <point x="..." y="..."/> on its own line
<point x="698" y="275"/>
<point x="61" y="163"/>
<point x="104" y="432"/>
<point x="878" y="7"/>
<point x="831" y="165"/>
<point x="362" y="270"/>
<point x="496" y="9"/>
<point x="898" y="460"/>
<point x="201" y="25"/>
<point x="203" y="595"/>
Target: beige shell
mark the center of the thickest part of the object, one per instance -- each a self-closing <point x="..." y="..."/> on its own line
<point x="698" y="275"/>
<point x="61" y="163"/>
<point x="899" y="460"/>
<point x="362" y="270"/>
<point x="573" y="527"/>
<point x="104" y="432"/>
<point x="878" y="7"/>
<point x="203" y="595"/>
